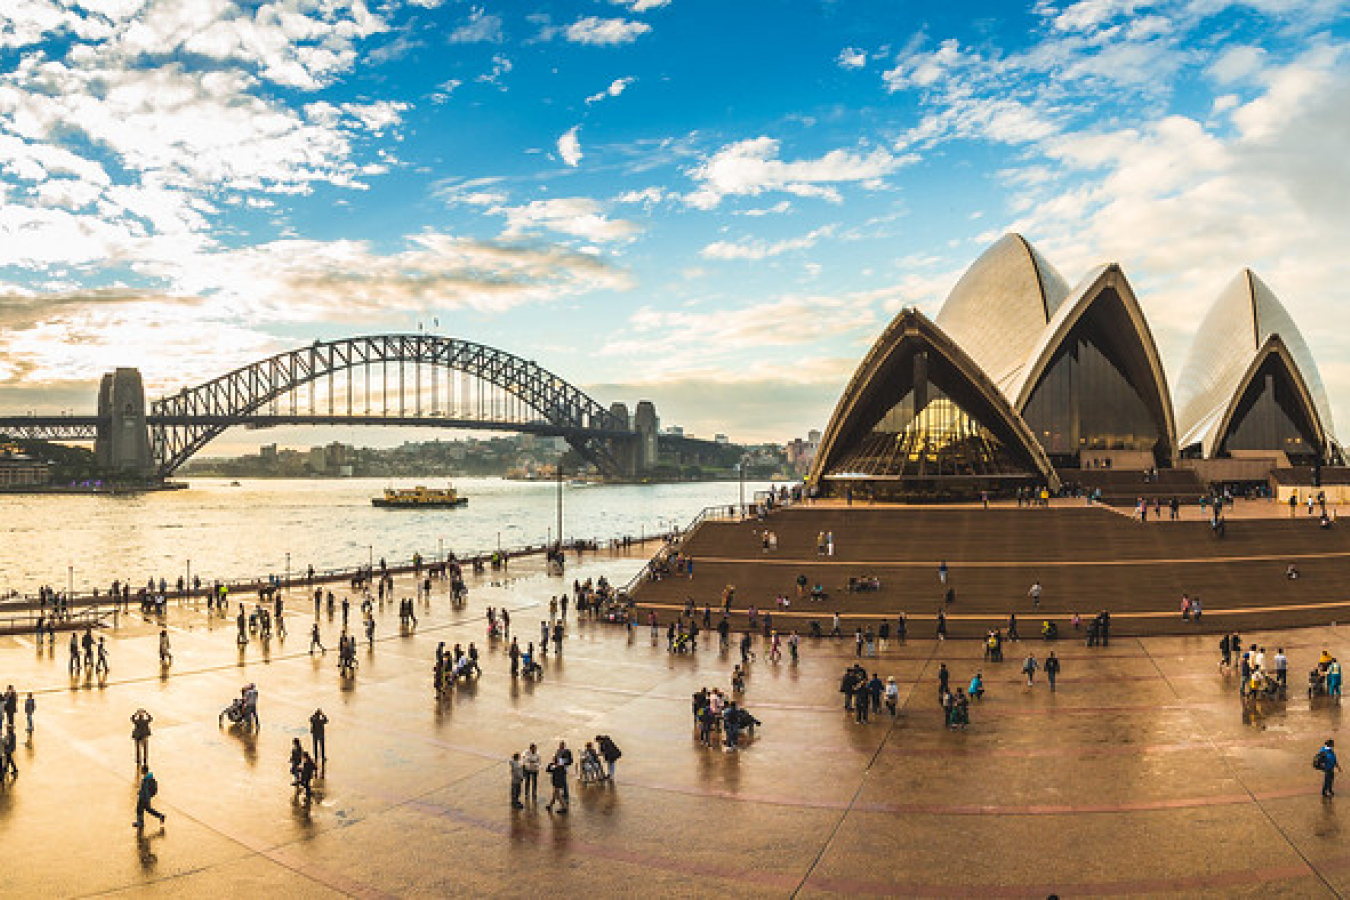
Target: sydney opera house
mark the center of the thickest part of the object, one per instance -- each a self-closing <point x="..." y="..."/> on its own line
<point x="1023" y="381"/>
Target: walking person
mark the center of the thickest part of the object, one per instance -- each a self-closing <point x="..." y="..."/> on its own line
<point x="140" y="735"/>
<point x="297" y="760"/>
<point x="1326" y="761"/>
<point x="530" y="762"/>
<point x="308" y="770"/>
<point x="30" y="707"/>
<point x="314" y="640"/>
<point x="558" y="779"/>
<point x="1035" y="594"/>
<point x="11" y="705"/>
<point x="316" y="732"/>
<point x="74" y="654"/>
<point x="145" y="796"/>
<point x="1052" y="669"/>
<point x="102" y="664"/>
<point x="1029" y="667"/>
<point x="517" y="780"/>
<point x="165" y="655"/>
<point x="609" y="752"/>
<point x="8" y="745"/>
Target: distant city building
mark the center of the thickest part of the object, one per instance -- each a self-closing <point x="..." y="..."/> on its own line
<point x="721" y="439"/>
<point x="21" y="470"/>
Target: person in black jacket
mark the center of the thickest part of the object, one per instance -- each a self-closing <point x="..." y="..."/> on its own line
<point x="145" y="796"/>
<point x="1051" y="668"/>
<point x="609" y="752"/>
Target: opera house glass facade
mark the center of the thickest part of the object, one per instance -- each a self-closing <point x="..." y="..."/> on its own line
<point x="1022" y="381"/>
<point x="1086" y="400"/>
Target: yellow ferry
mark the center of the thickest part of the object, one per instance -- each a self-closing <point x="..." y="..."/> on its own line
<point x="419" y="498"/>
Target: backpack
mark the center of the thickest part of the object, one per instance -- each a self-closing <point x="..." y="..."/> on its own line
<point x="1320" y="759"/>
<point x="151" y="785"/>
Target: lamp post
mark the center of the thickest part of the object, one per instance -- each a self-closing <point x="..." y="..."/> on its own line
<point x="440" y="543"/>
<point x="187" y="585"/>
<point x="288" y="574"/>
<point x="70" y="583"/>
<point x="560" y="503"/>
<point x="371" y="548"/>
<point x="740" y="466"/>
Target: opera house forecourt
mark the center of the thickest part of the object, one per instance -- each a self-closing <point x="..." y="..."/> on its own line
<point x="1025" y="382"/>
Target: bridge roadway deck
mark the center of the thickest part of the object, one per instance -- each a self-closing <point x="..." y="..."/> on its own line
<point x="1086" y="559"/>
<point x="1141" y="776"/>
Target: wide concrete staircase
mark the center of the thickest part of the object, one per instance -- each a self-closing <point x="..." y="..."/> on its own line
<point x="1086" y="559"/>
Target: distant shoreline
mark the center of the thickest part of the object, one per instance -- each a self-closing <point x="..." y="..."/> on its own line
<point x="67" y="489"/>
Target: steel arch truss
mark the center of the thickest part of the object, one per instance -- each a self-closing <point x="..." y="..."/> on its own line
<point x="185" y="422"/>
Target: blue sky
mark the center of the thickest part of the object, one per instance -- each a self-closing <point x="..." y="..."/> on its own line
<point x="713" y="205"/>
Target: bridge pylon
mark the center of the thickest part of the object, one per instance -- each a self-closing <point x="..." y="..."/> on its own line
<point x="122" y="442"/>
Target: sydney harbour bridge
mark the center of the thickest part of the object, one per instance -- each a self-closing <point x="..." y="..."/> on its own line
<point x="417" y="380"/>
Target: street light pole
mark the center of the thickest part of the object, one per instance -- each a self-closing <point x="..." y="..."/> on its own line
<point x="560" y="521"/>
<point x="288" y="574"/>
<point x="70" y="583"/>
<point x="741" y="467"/>
<point x="371" y="548"/>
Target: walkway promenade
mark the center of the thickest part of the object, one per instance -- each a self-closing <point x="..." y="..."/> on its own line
<point x="1141" y="775"/>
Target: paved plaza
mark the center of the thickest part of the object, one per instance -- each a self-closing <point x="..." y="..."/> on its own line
<point x="1142" y="775"/>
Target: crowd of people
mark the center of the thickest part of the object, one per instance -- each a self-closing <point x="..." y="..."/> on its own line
<point x="599" y="760"/>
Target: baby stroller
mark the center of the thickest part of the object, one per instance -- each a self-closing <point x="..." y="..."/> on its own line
<point x="591" y="770"/>
<point x="1268" y="689"/>
<point x="532" y="669"/>
<point x="236" y="712"/>
<point x="745" y="721"/>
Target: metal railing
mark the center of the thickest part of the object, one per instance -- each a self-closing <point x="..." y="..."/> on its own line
<point x="25" y="620"/>
<point x="725" y="512"/>
<point x="28" y="606"/>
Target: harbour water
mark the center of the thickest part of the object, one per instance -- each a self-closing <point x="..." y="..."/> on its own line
<point x="225" y="531"/>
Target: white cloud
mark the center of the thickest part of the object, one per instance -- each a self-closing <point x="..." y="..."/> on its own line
<point x="227" y="299"/>
<point x="616" y="87"/>
<point x="687" y="343"/>
<point x="646" y="195"/>
<point x="480" y="27"/>
<point x="576" y="216"/>
<point x="115" y="154"/>
<point x="752" y="167"/>
<point x="642" y="6"/>
<point x="763" y="250"/>
<point x="852" y="58"/>
<point x="501" y="65"/>
<point x="778" y="209"/>
<point x="1236" y="64"/>
<point x="569" y="146"/>
<point x="595" y="30"/>
<point x="922" y="70"/>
